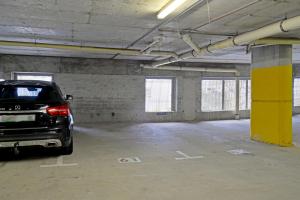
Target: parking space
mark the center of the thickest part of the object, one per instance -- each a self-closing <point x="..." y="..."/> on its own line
<point x="157" y="161"/>
<point x="150" y="100"/>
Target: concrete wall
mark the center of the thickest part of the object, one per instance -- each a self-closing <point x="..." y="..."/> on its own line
<point x="103" y="87"/>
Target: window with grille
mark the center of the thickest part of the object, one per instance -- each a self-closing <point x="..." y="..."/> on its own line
<point x="160" y="95"/>
<point x="211" y="95"/>
<point x="297" y="92"/>
<point x="245" y="94"/>
<point x="249" y="95"/>
<point x="218" y="95"/>
<point x="229" y="95"/>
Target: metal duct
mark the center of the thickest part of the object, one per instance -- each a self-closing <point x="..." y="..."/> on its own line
<point x="245" y="38"/>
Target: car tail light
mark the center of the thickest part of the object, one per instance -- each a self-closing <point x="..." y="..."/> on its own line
<point x="62" y="110"/>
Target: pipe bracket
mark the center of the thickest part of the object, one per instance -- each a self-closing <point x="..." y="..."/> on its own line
<point x="207" y="49"/>
<point x="281" y="26"/>
<point x="194" y="53"/>
<point x="233" y="42"/>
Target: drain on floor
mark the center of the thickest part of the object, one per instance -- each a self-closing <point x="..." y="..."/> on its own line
<point x="130" y="160"/>
<point x="240" y="152"/>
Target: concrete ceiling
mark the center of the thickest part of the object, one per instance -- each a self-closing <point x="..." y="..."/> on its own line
<point x="119" y="23"/>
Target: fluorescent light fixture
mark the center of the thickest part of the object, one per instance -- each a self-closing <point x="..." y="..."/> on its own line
<point x="169" y="8"/>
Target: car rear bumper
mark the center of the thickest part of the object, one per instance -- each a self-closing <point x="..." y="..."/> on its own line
<point x="44" y="143"/>
<point x="46" y="138"/>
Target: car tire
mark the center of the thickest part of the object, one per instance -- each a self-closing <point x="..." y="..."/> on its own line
<point x="67" y="150"/>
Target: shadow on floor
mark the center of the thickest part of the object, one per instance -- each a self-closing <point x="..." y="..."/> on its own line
<point x="27" y="154"/>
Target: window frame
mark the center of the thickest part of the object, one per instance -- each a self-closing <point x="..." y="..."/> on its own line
<point x="173" y="93"/>
<point x="14" y="75"/>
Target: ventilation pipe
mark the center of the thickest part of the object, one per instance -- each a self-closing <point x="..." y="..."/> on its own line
<point x="129" y="52"/>
<point x="245" y="38"/>
<point x="195" y="69"/>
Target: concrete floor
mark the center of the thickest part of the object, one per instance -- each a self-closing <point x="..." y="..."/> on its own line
<point x="94" y="171"/>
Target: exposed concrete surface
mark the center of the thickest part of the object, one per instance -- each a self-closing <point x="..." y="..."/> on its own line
<point x="120" y="23"/>
<point x="101" y="87"/>
<point x="267" y="172"/>
<point x="270" y="56"/>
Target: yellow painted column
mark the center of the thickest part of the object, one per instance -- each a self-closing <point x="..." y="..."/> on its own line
<point x="271" y="109"/>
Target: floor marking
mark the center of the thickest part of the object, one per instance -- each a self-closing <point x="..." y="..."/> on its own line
<point x="239" y="152"/>
<point x="186" y="157"/>
<point x="130" y="160"/>
<point x="60" y="163"/>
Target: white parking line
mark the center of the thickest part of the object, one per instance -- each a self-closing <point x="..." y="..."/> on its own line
<point x="60" y="163"/>
<point x="239" y="152"/>
<point x="186" y="157"/>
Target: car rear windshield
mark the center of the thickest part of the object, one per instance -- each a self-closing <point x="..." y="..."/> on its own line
<point x="39" y="94"/>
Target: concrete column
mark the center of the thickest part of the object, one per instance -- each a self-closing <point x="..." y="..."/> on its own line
<point x="271" y="111"/>
<point x="189" y="98"/>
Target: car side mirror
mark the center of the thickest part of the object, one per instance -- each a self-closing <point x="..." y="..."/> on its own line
<point x="69" y="97"/>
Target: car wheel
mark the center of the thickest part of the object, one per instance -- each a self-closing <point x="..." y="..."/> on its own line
<point x="68" y="150"/>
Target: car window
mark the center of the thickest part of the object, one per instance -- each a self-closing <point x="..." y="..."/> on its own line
<point x="41" y="94"/>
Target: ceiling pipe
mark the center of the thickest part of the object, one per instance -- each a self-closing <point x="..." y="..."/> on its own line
<point x="277" y="41"/>
<point x="189" y="41"/>
<point x="194" y="69"/>
<point x="104" y="50"/>
<point x="185" y="12"/>
<point x="242" y="39"/>
<point x="153" y="44"/>
<point x="195" y="32"/>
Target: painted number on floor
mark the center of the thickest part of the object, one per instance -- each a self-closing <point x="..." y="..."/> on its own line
<point x="130" y="160"/>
